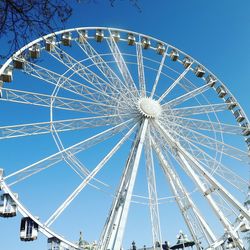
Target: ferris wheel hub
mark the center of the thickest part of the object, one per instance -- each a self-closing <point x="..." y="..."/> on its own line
<point x="149" y="107"/>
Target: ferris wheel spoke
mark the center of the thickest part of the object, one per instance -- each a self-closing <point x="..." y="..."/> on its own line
<point x="170" y="88"/>
<point x="187" y="157"/>
<point x="196" y="223"/>
<point x="102" y="87"/>
<point x="39" y="128"/>
<point x="76" y="148"/>
<point x="90" y="176"/>
<point x="43" y="100"/>
<point x="76" y="165"/>
<point x="208" y="193"/>
<point x="186" y="96"/>
<point x="121" y="64"/>
<point x="214" y="166"/>
<point x="152" y="191"/>
<point x="61" y="81"/>
<point x="77" y="67"/>
<point x="158" y="75"/>
<point x="141" y="76"/>
<point x="115" y="82"/>
<point x="215" y="145"/>
<point x="202" y="125"/>
<point x="207" y="184"/>
<point x="197" y="110"/>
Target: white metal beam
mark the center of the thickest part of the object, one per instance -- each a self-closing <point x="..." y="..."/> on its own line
<point x="85" y="182"/>
<point x="112" y="235"/>
<point x="196" y="223"/>
<point x="174" y="83"/>
<point x="76" y="148"/>
<point x="184" y="158"/>
<point x="152" y="191"/>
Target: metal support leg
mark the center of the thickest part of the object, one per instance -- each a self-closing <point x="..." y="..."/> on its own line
<point x="153" y="199"/>
<point x="113" y="232"/>
<point x="194" y="220"/>
<point x="185" y="159"/>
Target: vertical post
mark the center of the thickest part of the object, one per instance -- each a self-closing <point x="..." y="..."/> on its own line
<point x="114" y="228"/>
<point x="152" y="191"/>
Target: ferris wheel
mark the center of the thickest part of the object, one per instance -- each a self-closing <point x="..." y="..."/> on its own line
<point x="130" y="120"/>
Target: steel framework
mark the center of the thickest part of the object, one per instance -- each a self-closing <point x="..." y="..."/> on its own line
<point x="97" y="92"/>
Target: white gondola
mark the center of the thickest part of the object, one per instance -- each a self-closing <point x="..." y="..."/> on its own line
<point x="8" y="207"/>
<point x="174" y="55"/>
<point x="131" y="39"/>
<point x="186" y="62"/>
<point x="66" y="39"/>
<point x="50" y="43"/>
<point x="199" y="71"/>
<point x="211" y="80"/>
<point x="82" y="36"/>
<point x="231" y="103"/>
<point x="245" y="227"/>
<point x="145" y="43"/>
<point x="99" y="35"/>
<point x="34" y="51"/>
<point x="221" y="91"/>
<point x="28" y="229"/>
<point x="116" y="35"/>
<point x="7" y="75"/>
<point x="238" y="115"/>
<point x="245" y="128"/>
<point x="160" y="49"/>
<point x="248" y="143"/>
<point x="54" y="244"/>
<point x="18" y="62"/>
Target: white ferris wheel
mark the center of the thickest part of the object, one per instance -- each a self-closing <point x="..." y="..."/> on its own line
<point x="124" y="119"/>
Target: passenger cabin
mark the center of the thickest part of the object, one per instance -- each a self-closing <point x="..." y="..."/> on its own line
<point x="245" y="227"/>
<point x="28" y="229"/>
<point x="34" y="51"/>
<point x="18" y="62"/>
<point x="83" y="36"/>
<point x="54" y="244"/>
<point x="8" y="207"/>
<point x="116" y="35"/>
<point x="131" y="39"/>
<point x="211" y="80"/>
<point x="66" y="39"/>
<point x="50" y="43"/>
<point x="238" y="115"/>
<point x="231" y="103"/>
<point x="160" y="49"/>
<point x="221" y="91"/>
<point x="248" y="143"/>
<point x="145" y="42"/>
<point x="199" y="71"/>
<point x="174" y="55"/>
<point x="99" y="35"/>
<point x="186" y="62"/>
<point x="245" y="128"/>
<point x="7" y="75"/>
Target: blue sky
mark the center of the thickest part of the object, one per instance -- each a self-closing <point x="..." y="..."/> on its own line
<point x="216" y="33"/>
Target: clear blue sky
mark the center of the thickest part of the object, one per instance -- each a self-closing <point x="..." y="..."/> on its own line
<point x="216" y="33"/>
